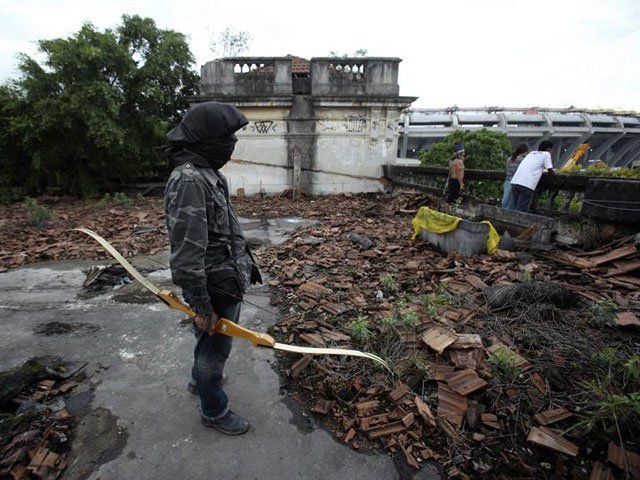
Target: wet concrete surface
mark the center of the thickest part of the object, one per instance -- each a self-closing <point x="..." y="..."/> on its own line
<point x="134" y="417"/>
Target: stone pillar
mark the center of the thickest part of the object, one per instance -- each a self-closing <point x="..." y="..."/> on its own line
<point x="301" y="139"/>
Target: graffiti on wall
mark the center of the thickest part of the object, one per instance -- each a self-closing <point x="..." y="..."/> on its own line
<point x="351" y="124"/>
<point x="263" y="127"/>
<point x="355" y="125"/>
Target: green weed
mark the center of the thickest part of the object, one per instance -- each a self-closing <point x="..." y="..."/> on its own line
<point x="613" y="408"/>
<point x="442" y="289"/>
<point x="631" y="368"/>
<point x="608" y="356"/>
<point x="117" y="198"/>
<point x="360" y="329"/>
<point x="433" y="301"/>
<point x="389" y="322"/>
<point x="409" y="318"/>
<point x="504" y="363"/>
<point x="602" y="312"/>
<point x="37" y="215"/>
<point x="402" y="317"/>
<point x="389" y="284"/>
<point x="615" y="399"/>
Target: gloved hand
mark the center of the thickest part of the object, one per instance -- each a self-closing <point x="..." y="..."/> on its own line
<point x="206" y="324"/>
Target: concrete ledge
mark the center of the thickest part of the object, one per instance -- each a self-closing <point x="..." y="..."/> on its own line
<point x="614" y="200"/>
<point x="469" y="238"/>
<point x="515" y="222"/>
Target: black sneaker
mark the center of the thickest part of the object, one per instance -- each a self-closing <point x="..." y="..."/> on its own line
<point x="230" y="424"/>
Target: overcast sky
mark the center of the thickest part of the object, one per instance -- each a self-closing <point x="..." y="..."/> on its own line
<point x="560" y="53"/>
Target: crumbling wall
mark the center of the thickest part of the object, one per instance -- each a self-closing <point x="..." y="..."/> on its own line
<point x="334" y="140"/>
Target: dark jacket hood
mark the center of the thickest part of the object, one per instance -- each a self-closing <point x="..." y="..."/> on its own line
<point x="207" y="121"/>
<point x="206" y="135"/>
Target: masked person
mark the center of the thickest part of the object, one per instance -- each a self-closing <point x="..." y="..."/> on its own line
<point x="210" y="259"/>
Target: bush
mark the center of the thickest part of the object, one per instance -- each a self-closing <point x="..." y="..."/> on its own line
<point x="484" y="150"/>
<point x="37" y="215"/>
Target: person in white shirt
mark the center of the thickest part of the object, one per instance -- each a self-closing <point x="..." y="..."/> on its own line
<point x="526" y="178"/>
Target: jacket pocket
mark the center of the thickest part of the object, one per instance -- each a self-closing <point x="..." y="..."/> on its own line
<point x="225" y="286"/>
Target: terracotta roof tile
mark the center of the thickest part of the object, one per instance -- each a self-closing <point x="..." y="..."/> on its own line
<point x="299" y="64"/>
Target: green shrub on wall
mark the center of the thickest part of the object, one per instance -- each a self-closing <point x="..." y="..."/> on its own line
<point x="601" y="169"/>
<point x="484" y="150"/>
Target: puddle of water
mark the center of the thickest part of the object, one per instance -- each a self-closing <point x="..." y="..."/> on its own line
<point x="79" y="403"/>
<point x="272" y="231"/>
<point x="66" y="328"/>
<point x="303" y="423"/>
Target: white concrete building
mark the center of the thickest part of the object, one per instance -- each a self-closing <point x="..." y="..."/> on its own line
<point x="322" y="126"/>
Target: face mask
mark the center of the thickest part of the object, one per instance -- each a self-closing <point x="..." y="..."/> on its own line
<point x="217" y="164"/>
<point x="216" y="152"/>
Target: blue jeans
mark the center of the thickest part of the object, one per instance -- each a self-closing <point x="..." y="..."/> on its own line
<point x="521" y="198"/>
<point x="209" y="357"/>
<point x="507" y="196"/>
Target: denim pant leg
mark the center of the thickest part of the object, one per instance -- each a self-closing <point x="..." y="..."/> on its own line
<point x="507" y="198"/>
<point x="522" y="198"/>
<point x="210" y="355"/>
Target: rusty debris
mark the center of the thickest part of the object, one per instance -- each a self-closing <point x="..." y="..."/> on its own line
<point x="438" y="338"/>
<point x="467" y="340"/>
<point x="625" y="319"/>
<point x="601" y="472"/>
<point x="425" y="412"/>
<point x="549" y="439"/>
<point x="465" y="382"/>
<point x="35" y="449"/>
<point x="485" y="349"/>
<point x="627" y="461"/>
<point x="451" y="405"/>
<point x="552" y="416"/>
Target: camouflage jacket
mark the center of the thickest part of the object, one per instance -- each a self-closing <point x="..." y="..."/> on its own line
<point x="199" y="217"/>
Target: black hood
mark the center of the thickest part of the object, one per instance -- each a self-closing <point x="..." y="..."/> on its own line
<point x="208" y="131"/>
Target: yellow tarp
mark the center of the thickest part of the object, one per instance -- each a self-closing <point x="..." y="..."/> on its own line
<point x="437" y="222"/>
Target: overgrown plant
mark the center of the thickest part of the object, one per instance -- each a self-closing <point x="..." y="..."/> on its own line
<point x="431" y="309"/>
<point x="37" y="215"/>
<point x="615" y="399"/>
<point x="504" y="363"/>
<point x="602" y="312"/>
<point x="360" y="331"/>
<point x="389" y="284"/>
<point x="118" y="198"/>
<point x="402" y="317"/>
<point x="601" y="169"/>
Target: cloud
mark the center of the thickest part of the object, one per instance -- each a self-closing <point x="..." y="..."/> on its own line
<point x="469" y="53"/>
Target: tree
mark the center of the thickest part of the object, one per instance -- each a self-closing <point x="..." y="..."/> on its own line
<point x="484" y="149"/>
<point x="91" y="113"/>
<point x="230" y="43"/>
<point x="361" y="52"/>
<point x="13" y="158"/>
